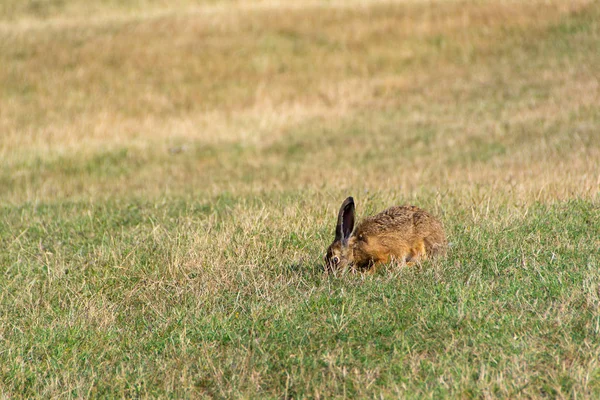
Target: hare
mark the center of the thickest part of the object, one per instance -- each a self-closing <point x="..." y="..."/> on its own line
<point x="402" y="233"/>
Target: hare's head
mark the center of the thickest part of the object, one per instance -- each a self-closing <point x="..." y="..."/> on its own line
<point x="339" y="254"/>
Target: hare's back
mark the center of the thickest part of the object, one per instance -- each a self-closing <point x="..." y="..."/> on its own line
<point x="407" y="219"/>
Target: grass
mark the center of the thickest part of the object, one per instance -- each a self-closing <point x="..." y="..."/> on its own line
<point x="170" y="174"/>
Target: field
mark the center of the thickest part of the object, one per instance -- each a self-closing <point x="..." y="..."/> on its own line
<point x="171" y="171"/>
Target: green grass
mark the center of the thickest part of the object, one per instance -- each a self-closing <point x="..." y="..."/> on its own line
<point x="117" y="299"/>
<point x="170" y="175"/>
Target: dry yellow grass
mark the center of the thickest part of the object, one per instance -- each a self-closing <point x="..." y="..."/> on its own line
<point x="461" y="96"/>
<point x="260" y="75"/>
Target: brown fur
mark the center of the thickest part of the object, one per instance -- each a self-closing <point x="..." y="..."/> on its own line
<point x="402" y="233"/>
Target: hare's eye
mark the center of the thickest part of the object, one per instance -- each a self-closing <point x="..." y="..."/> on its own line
<point x="336" y="260"/>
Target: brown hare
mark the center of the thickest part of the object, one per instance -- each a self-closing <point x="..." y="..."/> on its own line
<point x="402" y="233"/>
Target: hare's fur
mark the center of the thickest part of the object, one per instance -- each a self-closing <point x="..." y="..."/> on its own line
<point x="402" y="233"/>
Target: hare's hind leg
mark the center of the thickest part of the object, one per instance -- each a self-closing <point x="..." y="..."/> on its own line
<point x="417" y="253"/>
<point x="402" y="254"/>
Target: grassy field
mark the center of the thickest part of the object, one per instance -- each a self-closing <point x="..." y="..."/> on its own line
<point x="170" y="174"/>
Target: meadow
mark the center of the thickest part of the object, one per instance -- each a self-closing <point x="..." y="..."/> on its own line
<point x="171" y="171"/>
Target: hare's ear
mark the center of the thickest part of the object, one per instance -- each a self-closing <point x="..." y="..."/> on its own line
<point x="345" y="223"/>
